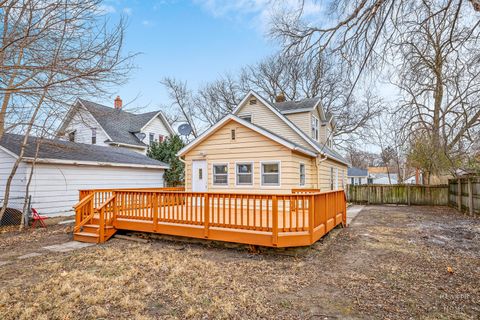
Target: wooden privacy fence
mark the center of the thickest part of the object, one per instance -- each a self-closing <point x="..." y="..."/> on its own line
<point x="464" y="194"/>
<point x="280" y="220"/>
<point x="407" y="194"/>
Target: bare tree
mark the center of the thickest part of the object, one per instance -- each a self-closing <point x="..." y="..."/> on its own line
<point x="51" y="52"/>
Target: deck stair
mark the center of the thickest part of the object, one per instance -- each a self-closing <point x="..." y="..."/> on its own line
<point x="90" y="220"/>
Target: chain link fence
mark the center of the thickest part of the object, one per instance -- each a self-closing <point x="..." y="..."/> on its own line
<point x="14" y="213"/>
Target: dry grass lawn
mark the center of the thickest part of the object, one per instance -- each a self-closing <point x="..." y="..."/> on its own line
<point x="391" y="263"/>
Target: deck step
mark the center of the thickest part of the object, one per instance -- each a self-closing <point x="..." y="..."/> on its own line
<point x="85" y="237"/>
<point x="97" y="226"/>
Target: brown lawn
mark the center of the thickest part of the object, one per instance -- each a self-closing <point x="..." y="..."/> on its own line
<point x="391" y="263"/>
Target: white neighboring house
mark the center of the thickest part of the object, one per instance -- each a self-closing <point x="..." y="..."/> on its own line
<point x="92" y="123"/>
<point x="63" y="168"/>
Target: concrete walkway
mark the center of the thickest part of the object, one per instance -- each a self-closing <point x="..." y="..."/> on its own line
<point x="352" y="212"/>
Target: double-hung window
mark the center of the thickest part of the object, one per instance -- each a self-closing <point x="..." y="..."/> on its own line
<point x="244" y="173"/>
<point x="151" y="138"/>
<point x="315" y="128"/>
<point x="220" y="174"/>
<point x="302" y="174"/>
<point x="270" y="173"/>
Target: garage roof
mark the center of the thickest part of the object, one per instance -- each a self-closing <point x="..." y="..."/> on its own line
<point x="76" y="153"/>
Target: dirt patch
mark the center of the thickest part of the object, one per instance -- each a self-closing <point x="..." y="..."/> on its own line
<point x="393" y="262"/>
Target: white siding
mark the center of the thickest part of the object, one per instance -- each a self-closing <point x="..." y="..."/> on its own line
<point x="54" y="188"/>
<point x="17" y="189"/>
<point x="83" y="122"/>
<point x="157" y="127"/>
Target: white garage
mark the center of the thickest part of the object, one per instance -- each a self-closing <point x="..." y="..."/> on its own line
<point x="63" y="168"/>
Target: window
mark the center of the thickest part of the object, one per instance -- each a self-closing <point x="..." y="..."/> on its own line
<point x="352" y="181"/>
<point x="270" y="173"/>
<point x="329" y="137"/>
<point x="71" y="136"/>
<point x="94" y="135"/>
<point x="200" y="174"/>
<point x="151" y="138"/>
<point x="244" y="173"/>
<point x="247" y="117"/>
<point x="336" y="178"/>
<point x="341" y="177"/>
<point x="232" y="134"/>
<point x="161" y="138"/>
<point x="331" y="178"/>
<point x="302" y="174"/>
<point x="359" y="180"/>
<point x="315" y="128"/>
<point x="253" y="101"/>
<point x="220" y="174"/>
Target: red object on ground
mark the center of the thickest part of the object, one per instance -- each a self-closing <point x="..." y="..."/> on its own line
<point x="38" y="218"/>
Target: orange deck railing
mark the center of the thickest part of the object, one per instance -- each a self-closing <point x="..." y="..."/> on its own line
<point x="280" y="220"/>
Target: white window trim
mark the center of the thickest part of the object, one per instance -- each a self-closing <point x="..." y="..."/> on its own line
<point x="300" y="174"/>
<point x="279" y="174"/>
<point x="336" y="179"/>
<point x="317" y="131"/>
<point x="253" y="174"/>
<point x="214" y="185"/>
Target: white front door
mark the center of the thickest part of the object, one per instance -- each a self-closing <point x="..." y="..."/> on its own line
<point x="199" y="176"/>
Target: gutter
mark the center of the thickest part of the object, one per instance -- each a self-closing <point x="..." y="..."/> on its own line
<point x="94" y="163"/>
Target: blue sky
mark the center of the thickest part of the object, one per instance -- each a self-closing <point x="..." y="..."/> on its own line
<point x="192" y="40"/>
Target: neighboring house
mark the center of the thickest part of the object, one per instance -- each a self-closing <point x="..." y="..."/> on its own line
<point x="62" y="168"/>
<point x="266" y="147"/>
<point x="357" y="176"/>
<point x="383" y="178"/>
<point x="92" y="123"/>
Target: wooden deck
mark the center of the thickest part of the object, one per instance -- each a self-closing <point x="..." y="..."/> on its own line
<point x="296" y="219"/>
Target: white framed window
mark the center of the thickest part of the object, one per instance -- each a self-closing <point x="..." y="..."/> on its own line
<point x="315" y="128"/>
<point x="270" y="173"/>
<point x="302" y="174"/>
<point x="336" y="178"/>
<point x="94" y="135"/>
<point x="244" y="173"/>
<point x="220" y="174"/>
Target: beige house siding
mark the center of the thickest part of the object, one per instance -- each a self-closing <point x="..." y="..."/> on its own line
<point x="324" y="169"/>
<point x="302" y="120"/>
<point x="249" y="146"/>
<point x="264" y="117"/>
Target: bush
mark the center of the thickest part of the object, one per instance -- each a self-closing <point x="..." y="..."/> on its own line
<point x="166" y="152"/>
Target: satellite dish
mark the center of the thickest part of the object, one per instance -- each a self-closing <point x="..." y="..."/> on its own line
<point x="185" y="129"/>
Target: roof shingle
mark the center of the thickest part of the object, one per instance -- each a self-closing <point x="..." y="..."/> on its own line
<point x="66" y="150"/>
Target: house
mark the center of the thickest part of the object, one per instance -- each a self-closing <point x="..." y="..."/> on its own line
<point x="62" y="168"/>
<point x="266" y="147"/>
<point x="92" y="123"/>
<point x="357" y="176"/>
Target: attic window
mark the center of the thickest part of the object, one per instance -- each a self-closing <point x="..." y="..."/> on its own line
<point x="94" y="135"/>
<point x="71" y="136"/>
<point x="232" y="134"/>
<point x="253" y="101"/>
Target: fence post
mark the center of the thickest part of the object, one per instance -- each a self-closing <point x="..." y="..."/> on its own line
<point x="274" y="220"/>
<point x="381" y="194"/>
<point x="368" y="194"/>
<point x="206" y="206"/>
<point x="470" y="196"/>
<point x="459" y="194"/>
<point x="408" y="195"/>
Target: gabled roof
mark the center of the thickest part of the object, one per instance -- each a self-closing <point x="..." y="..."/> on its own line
<point x="60" y="151"/>
<point x="258" y="129"/>
<point x="322" y="149"/>
<point x="119" y="125"/>
<point x="357" y="172"/>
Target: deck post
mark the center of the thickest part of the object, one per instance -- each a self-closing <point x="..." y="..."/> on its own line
<point x="155" y="211"/>
<point x="311" y="216"/>
<point x="206" y="206"/>
<point x="115" y="208"/>
<point x="274" y="220"/>
<point x="101" y="228"/>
